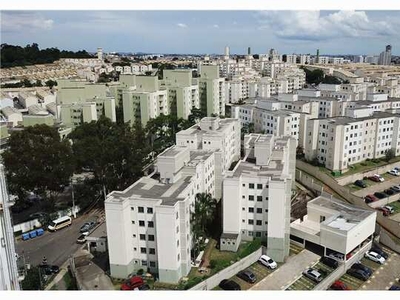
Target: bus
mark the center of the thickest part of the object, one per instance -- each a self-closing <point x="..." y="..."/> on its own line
<point x="60" y="223"/>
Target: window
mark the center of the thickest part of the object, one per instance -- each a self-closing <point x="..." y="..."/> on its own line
<point x="266" y="198"/>
<point x="142" y="237"/>
<point x="150" y="224"/>
<point x="243" y="184"/>
<point x="179" y="257"/>
<point x="321" y="218"/>
<point x="150" y="237"/>
<point x="251" y="209"/>
<point x="152" y="264"/>
<point x="259" y="186"/>
<point x="266" y="210"/>
<point x="133" y="222"/>
<point x="177" y="215"/>
<point x="258" y="234"/>
<point x="259" y="210"/>
<point x="177" y="229"/>
<point x="144" y="262"/>
<point x="251" y="185"/>
<point x="152" y="251"/>
<point x="250" y="222"/>
<point x="259" y="222"/>
<point x="141" y="209"/>
<point x="134" y="235"/>
<point x="251" y="198"/>
<point x="177" y="243"/>
<point x="132" y="208"/>
<point x="134" y="249"/>
<point x="259" y="198"/>
<point x="141" y="223"/>
<point x="149" y="210"/>
<point x="143" y="250"/>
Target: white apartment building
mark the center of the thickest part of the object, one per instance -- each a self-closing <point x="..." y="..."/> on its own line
<point x="148" y="224"/>
<point x="343" y="141"/>
<point x="256" y="195"/>
<point x="8" y="261"/>
<point x="335" y="227"/>
<point x="27" y="99"/>
<point x="305" y="59"/>
<point x="291" y="58"/>
<point x="220" y="135"/>
<point x="12" y="115"/>
<point x="73" y="115"/>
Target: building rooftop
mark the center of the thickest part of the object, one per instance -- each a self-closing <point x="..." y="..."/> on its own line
<point x="99" y="232"/>
<point x="348" y="120"/>
<point x="148" y="188"/>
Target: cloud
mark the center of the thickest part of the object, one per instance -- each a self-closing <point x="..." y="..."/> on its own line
<point x="181" y="25"/>
<point x="31" y="21"/>
<point x="215" y="26"/>
<point x="311" y="25"/>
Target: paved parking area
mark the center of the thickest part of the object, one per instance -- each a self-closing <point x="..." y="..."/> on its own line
<point x="390" y="180"/>
<point x="303" y="283"/>
<point x="281" y="278"/>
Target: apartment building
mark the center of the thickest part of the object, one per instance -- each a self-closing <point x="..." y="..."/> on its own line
<point x="150" y="220"/>
<point x="342" y="141"/>
<point x="73" y="115"/>
<point x="74" y="91"/>
<point x="335" y="227"/>
<point x="12" y="115"/>
<point x="212" y="91"/>
<point x="8" y="262"/>
<point x="27" y="99"/>
<point x="256" y="195"/>
<point x="220" y="135"/>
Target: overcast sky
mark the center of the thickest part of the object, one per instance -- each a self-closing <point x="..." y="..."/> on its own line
<point x="333" y="32"/>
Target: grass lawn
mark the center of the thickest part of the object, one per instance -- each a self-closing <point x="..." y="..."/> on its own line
<point x="396" y="207"/>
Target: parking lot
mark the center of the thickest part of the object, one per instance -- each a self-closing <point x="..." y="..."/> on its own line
<point x="373" y="187"/>
<point x="304" y="283"/>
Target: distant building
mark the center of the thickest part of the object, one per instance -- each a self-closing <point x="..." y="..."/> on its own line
<point x="385" y="57"/>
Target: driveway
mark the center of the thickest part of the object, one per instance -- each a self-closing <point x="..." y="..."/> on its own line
<point x="385" y="275"/>
<point x="288" y="272"/>
<point x="378" y="187"/>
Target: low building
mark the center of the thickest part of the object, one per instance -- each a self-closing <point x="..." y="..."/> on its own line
<point x="12" y="115"/>
<point x="97" y="239"/>
<point x="333" y="226"/>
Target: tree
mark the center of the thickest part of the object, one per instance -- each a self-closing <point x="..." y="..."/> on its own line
<point x="201" y="218"/>
<point x="196" y="115"/>
<point x="246" y="129"/>
<point x="50" y="83"/>
<point x="389" y="154"/>
<point x="115" y="152"/>
<point x="32" y="280"/>
<point x="36" y="160"/>
<point x="299" y="152"/>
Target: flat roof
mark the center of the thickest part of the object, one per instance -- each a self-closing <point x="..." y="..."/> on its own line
<point x="349" y="120"/>
<point x="148" y="188"/>
<point x="99" y="232"/>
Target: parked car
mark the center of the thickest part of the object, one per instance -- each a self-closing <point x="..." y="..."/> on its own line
<point x="380" y="195"/>
<point x="144" y="287"/>
<point x="371" y="255"/>
<point x="49" y="269"/>
<point x="396" y="188"/>
<point x="267" y="261"/>
<point x="360" y="183"/>
<point x="376" y="178"/>
<point x="360" y="266"/>
<point x="385" y="212"/>
<point x="394" y="288"/>
<point x="229" y="285"/>
<point x="132" y="283"/>
<point x="339" y="286"/>
<point x="86" y="227"/>
<point x="330" y="262"/>
<point x="389" y="208"/>
<point x="358" y="274"/>
<point x="247" y="276"/>
<point x="81" y="239"/>
<point x="313" y="274"/>
<point x="37" y="215"/>
<point x="370" y="198"/>
<point x="394" y="172"/>
<point x="389" y="192"/>
<point x="375" y="248"/>
<point x="336" y="255"/>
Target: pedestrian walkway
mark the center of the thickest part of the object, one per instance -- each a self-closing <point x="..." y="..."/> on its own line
<point x="289" y="272"/>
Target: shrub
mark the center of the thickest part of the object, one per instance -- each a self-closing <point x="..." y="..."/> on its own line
<point x="213" y="263"/>
<point x="250" y="248"/>
<point x="192" y="282"/>
<point x="140" y="272"/>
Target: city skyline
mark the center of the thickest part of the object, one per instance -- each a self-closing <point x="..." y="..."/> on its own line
<point x="333" y="32"/>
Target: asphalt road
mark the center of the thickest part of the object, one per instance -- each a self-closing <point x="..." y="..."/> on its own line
<point x="56" y="246"/>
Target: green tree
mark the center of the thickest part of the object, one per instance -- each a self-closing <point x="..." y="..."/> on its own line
<point x="299" y="151"/>
<point x="36" y="160"/>
<point x="32" y="280"/>
<point x="389" y="154"/>
<point x="115" y="152"/>
<point x="246" y="129"/>
<point x="50" y="83"/>
<point x="196" y="115"/>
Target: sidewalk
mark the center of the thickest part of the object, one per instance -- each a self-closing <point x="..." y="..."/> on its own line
<point x="59" y="277"/>
<point x="290" y="271"/>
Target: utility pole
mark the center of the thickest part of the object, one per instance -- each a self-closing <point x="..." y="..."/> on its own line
<point x="73" y="198"/>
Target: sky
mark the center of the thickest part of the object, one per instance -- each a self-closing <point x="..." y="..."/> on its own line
<point x="206" y="32"/>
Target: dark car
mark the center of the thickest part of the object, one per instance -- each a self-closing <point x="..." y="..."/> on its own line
<point x="339" y="286"/>
<point x="247" y="276"/>
<point x="389" y="192"/>
<point x="394" y="288"/>
<point x="86" y="227"/>
<point x="378" y="250"/>
<point x="370" y="198"/>
<point x="380" y="195"/>
<point x="374" y="178"/>
<point x="358" y="274"/>
<point x="365" y="269"/>
<point x="49" y="269"/>
<point x="330" y="262"/>
<point x="385" y="211"/>
<point x="360" y="183"/>
<point x="229" y="285"/>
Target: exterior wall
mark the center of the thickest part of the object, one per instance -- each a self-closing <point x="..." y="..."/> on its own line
<point x="32" y="120"/>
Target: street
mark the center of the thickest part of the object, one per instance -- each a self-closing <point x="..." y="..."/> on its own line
<point x="56" y="246"/>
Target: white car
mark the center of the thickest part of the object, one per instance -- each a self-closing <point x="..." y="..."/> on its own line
<point x="394" y="172"/>
<point x="380" y="178"/>
<point x="267" y="261"/>
<point x="389" y="208"/>
<point x="375" y="257"/>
